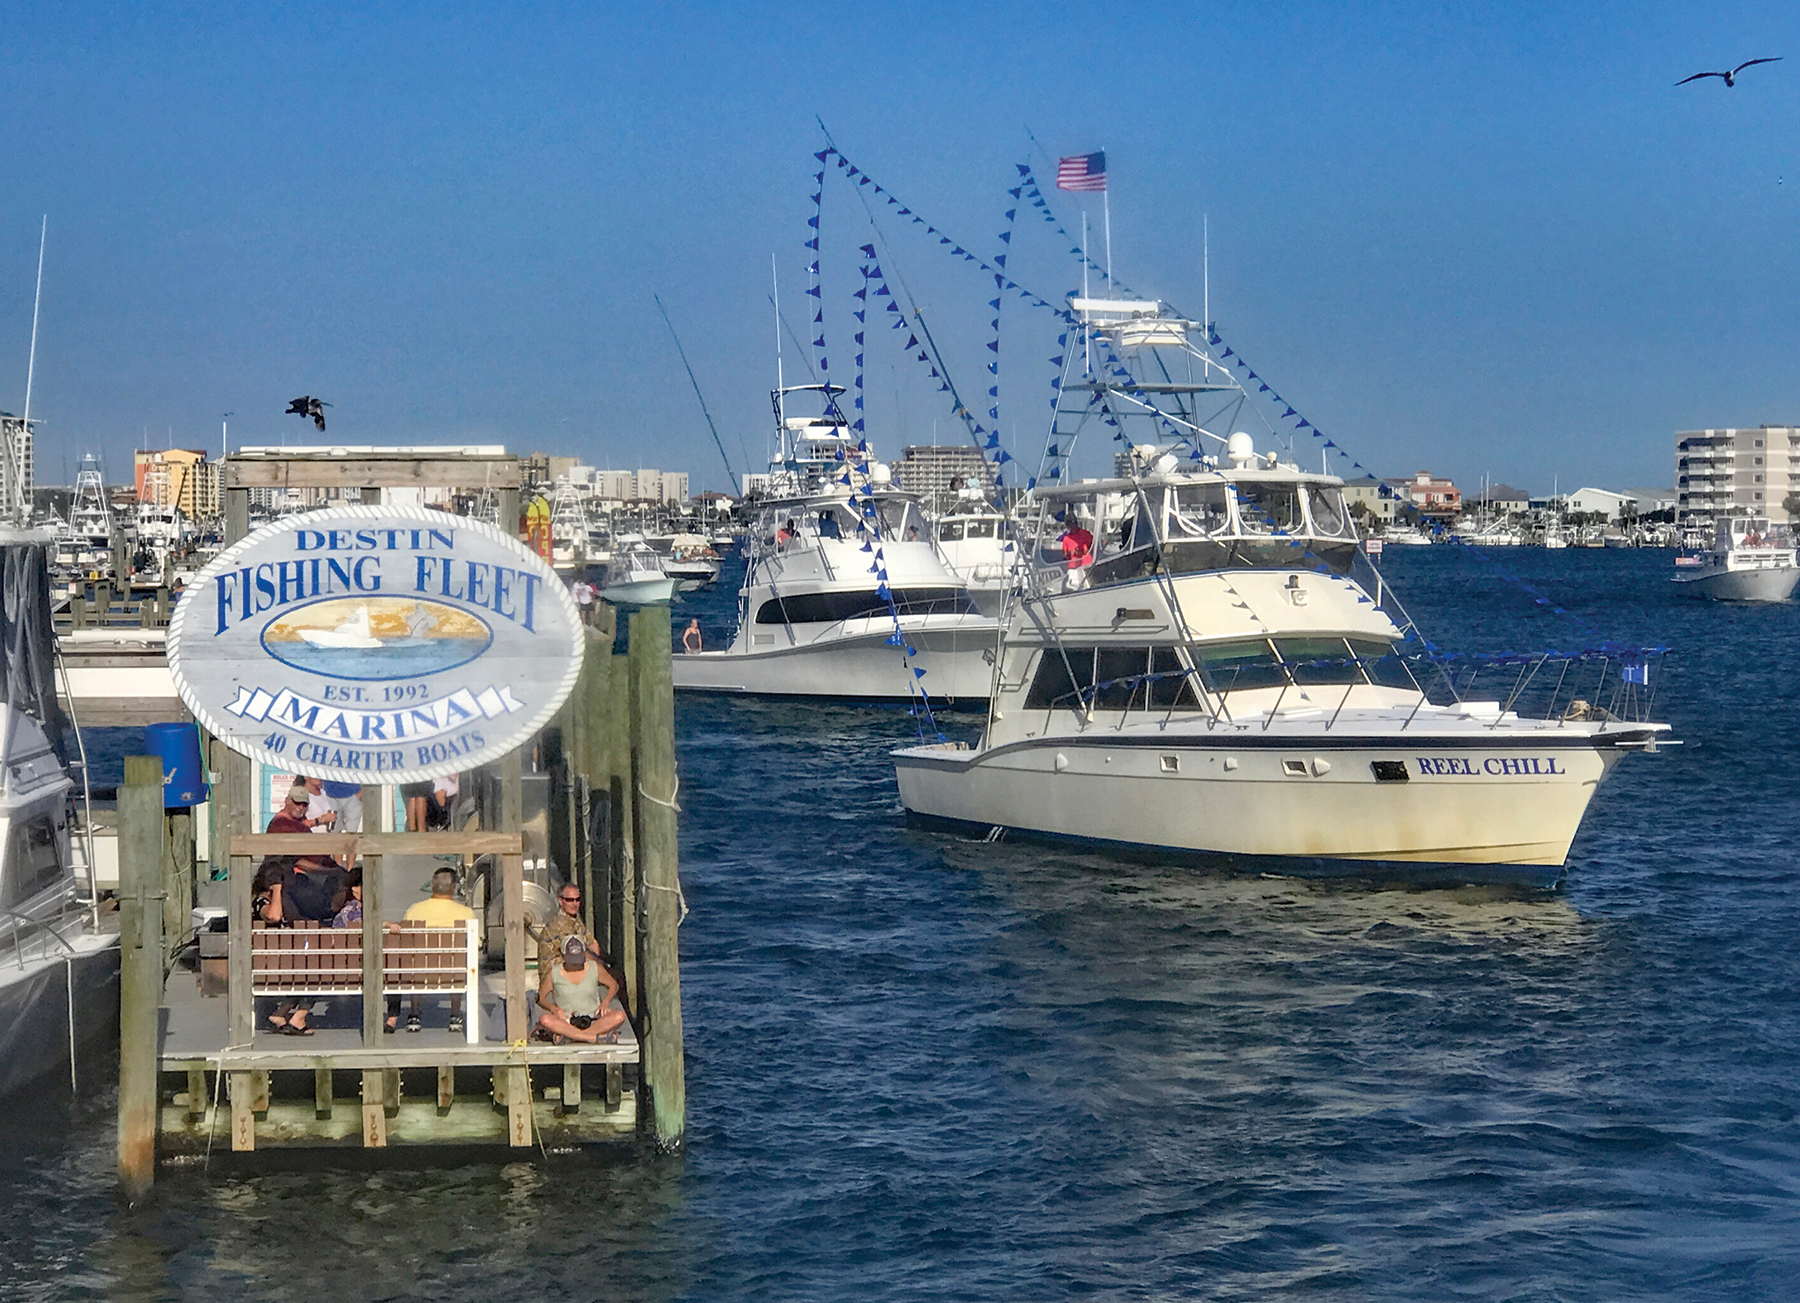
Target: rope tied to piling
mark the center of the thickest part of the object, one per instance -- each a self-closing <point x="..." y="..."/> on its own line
<point x="680" y="904"/>
<point x="657" y="800"/>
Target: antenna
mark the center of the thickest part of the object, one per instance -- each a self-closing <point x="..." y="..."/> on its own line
<point x="1106" y="213"/>
<point x="17" y="506"/>
<point x="1206" y="271"/>
<point x="775" y="298"/>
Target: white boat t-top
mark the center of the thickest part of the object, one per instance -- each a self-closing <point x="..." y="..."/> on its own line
<point x="845" y="594"/>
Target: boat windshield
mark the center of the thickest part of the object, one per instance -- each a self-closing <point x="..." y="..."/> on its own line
<point x="1330" y="518"/>
<point x="900" y="520"/>
<point x="1198" y="511"/>
<point x="1264" y="508"/>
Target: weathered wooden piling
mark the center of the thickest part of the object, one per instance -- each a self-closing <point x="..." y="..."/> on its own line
<point x="141" y="855"/>
<point x="653" y="711"/>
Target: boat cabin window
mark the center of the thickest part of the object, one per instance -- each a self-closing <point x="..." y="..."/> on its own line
<point x="35" y="865"/>
<point x="1120" y="678"/>
<point x="1235" y="665"/>
<point x="1330" y="518"/>
<point x="1382" y="664"/>
<point x="1198" y="511"/>
<point x="950" y="531"/>
<point x="981" y="529"/>
<point x="1265" y="507"/>
<point x="1314" y="661"/>
<point x="829" y="608"/>
<point x="900" y="520"/>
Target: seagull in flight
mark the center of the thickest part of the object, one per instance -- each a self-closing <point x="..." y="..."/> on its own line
<point x="312" y="407"/>
<point x="1730" y="77"/>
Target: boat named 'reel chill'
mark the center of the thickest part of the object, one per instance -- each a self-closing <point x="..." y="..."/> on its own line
<point x="1202" y="661"/>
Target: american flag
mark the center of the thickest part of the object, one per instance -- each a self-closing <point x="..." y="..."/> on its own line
<point x="1082" y="172"/>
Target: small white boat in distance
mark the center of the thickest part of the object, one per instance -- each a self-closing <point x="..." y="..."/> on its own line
<point x="1750" y="560"/>
<point x="351" y="634"/>
<point x="635" y="577"/>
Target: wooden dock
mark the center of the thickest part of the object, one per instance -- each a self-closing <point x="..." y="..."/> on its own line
<point x="200" y="1071"/>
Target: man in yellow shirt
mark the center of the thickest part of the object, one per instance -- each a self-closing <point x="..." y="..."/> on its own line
<point x="440" y="909"/>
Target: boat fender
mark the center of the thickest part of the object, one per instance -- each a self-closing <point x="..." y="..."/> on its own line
<point x="1062" y="762"/>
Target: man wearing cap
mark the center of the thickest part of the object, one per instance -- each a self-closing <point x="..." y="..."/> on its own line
<point x="575" y="998"/>
<point x="440" y="909"/>
<point x="298" y="886"/>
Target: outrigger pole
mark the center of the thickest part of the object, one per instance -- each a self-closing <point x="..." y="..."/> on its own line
<point x="718" y="442"/>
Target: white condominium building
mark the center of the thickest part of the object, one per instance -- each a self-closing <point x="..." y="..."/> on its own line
<point x="1720" y="471"/>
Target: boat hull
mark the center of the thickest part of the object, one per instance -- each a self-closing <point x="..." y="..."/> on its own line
<point x="34" y="1009"/>
<point x="1775" y="584"/>
<point x="853" y="667"/>
<point x="1508" y="802"/>
<point x="640" y="592"/>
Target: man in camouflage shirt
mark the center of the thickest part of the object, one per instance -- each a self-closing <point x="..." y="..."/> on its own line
<point x="567" y="923"/>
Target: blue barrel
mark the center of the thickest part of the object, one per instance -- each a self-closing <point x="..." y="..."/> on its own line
<point x="184" y="781"/>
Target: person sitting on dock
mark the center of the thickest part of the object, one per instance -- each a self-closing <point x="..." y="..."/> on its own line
<point x="297" y="887"/>
<point x="575" y="998"/>
<point x="440" y="909"/>
<point x="351" y="915"/>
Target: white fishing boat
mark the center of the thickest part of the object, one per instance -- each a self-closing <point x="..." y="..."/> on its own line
<point x="353" y="633"/>
<point x="1203" y="663"/>
<point x="844" y="594"/>
<point x="978" y="545"/>
<point x="635" y="575"/>
<point x="59" y="967"/>
<point x="571" y="529"/>
<point x="1750" y="560"/>
<point x="691" y="561"/>
<point x="85" y="542"/>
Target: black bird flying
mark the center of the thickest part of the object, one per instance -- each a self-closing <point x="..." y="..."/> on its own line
<point x="1730" y="77"/>
<point x="309" y="407"/>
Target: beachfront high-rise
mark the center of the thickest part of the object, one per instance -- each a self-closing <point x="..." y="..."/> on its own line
<point x="1749" y="471"/>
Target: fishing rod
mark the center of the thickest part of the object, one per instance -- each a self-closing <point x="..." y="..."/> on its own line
<point x="693" y="380"/>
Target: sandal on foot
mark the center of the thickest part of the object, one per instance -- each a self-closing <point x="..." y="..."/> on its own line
<point x="288" y="1029"/>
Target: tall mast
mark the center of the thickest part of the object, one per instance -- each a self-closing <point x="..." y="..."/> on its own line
<point x="17" y="506"/>
<point x="780" y="383"/>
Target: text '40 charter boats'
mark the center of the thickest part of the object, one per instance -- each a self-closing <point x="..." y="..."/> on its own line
<point x="1201" y="660"/>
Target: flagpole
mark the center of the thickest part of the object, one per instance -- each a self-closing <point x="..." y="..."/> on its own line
<point x="1087" y="343"/>
<point x="1106" y="211"/>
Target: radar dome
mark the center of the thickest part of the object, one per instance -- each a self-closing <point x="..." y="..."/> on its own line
<point x="1241" y="448"/>
<point x="1165" y="464"/>
<point x="880" y="474"/>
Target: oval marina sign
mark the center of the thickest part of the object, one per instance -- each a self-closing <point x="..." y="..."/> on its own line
<point x="375" y="644"/>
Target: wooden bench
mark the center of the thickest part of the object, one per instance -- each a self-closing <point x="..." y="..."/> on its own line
<point x="308" y="959"/>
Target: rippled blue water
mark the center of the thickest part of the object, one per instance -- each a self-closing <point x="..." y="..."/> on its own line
<point x="920" y="1068"/>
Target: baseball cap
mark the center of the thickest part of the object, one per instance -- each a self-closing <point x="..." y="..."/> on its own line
<point x="574" y="952"/>
<point x="299" y="793"/>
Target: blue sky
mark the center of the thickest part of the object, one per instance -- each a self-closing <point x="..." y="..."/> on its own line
<point x="1481" y="239"/>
